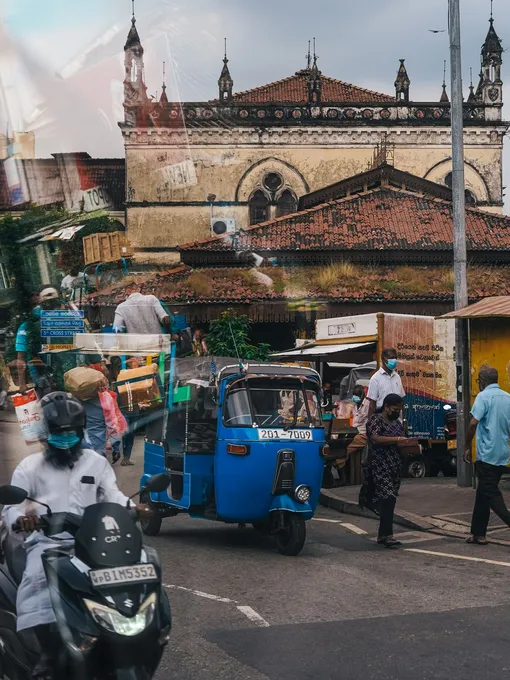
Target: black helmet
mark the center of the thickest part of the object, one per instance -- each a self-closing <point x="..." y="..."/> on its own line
<point x="63" y="412"/>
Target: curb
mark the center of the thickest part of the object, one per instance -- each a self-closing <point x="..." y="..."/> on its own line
<point x="406" y="519"/>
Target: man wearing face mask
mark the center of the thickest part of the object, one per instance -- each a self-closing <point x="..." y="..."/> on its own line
<point x="385" y="381"/>
<point x="359" y="419"/>
<point x="68" y="478"/>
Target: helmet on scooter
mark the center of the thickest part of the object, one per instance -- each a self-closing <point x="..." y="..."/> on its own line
<point x="63" y="412"/>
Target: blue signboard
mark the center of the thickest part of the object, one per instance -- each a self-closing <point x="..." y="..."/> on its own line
<point x="62" y="323"/>
<point x="62" y="314"/>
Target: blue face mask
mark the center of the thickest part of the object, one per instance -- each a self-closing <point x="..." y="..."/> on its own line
<point x="64" y="440"/>
<point x="356" y="399"/>
<point x="391" y="364"/>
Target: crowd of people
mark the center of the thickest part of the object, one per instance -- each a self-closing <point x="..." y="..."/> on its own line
<point x="31" y="367"/>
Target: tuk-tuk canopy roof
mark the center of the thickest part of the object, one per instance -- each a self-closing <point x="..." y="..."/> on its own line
<point x="273" y="370"/>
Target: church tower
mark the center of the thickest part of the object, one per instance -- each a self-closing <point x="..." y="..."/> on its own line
<point x="225" y="82"/>
<point x="490" y="87"/>
<point x="402" y="83"/>
<point x="135" y="90"/>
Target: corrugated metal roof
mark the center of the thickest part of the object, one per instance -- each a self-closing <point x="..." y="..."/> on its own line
<point x="493" y="306"/>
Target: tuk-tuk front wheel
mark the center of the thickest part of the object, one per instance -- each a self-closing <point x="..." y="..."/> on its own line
<point x="290" y="537"/>
<point x="152" y="525"/>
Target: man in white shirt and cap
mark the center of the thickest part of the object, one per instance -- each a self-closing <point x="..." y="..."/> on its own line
<point x="385" y="381"/>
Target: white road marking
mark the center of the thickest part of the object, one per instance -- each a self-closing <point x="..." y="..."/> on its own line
<point x="458" y="557"/>
<point x="253" y="616"/>
<point x="244" y="609"/>
<point x="354" y="528"/>
<point x="199" y="593"/>
<point x="349" y="527"/>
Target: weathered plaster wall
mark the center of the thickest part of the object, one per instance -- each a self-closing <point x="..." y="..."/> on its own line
<point x="169" y="211"/>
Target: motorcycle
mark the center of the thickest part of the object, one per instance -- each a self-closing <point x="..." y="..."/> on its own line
<point x="113" y="615"/>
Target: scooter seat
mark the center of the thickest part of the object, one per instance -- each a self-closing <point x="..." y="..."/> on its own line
<point x="15" y="557"/>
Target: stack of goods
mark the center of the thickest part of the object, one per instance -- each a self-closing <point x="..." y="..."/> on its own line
<point x="139" y="389"/>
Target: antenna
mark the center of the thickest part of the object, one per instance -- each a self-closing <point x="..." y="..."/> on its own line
<point x="492" y="8"/>
<point x="164" y="73"/>
<point x="471" y="75"/>
<point x="133" y="4"/>
<point x="235" y="346"/>
<point x="225" y="49"/>
<point x="444" y="73"/>
<point x="309" y="55"/>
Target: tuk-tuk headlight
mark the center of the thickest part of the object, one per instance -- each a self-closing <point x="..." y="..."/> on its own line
<point x="302" y="493"/>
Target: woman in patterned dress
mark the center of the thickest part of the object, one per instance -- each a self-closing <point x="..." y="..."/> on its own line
<point x="382" y="474"/>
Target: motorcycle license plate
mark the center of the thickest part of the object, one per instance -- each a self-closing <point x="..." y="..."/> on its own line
<point x="452" y="444"/>
<point x="117" y="576"/>
<point x="294" y="435"/>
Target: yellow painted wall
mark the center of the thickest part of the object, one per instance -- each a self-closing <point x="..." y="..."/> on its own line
<point x="490" y="346"/>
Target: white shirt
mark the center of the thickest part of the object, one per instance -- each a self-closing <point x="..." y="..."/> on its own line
<point x="360" y="416"/>
<point x="63" y="489"/>
<point x="139" y="314"/>
<point x="383" y="383"/>
<point x="69" y="282"/>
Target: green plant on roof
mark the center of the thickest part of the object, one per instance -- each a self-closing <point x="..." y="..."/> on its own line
<point x="229" y="337"/>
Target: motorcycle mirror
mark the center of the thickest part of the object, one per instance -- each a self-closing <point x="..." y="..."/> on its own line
<point x="158" y="483"/>
<point x="12" y="495"/>
<point x="447" y="407"/>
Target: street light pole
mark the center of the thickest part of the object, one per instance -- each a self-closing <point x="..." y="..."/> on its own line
<point x="459" y="242"/>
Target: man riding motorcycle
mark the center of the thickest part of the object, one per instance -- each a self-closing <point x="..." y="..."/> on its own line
<point x="68" y="478"/>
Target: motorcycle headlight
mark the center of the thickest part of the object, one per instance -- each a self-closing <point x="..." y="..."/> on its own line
<point x="115" y="622"/>
<point x="302" y="493"/>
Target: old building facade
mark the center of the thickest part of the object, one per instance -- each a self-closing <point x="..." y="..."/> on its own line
<point x="198" y="168"/>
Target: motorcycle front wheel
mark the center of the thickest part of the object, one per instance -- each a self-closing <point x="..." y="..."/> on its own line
<point x="291" y="539"/>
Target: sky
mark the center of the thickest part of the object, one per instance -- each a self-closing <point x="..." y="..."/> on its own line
<point x="61" y="61"/>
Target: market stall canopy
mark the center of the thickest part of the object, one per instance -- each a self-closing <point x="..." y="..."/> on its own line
<point x="328" y="352"/>
<point x="63" y="229"/>
<point x="498" y="306"/>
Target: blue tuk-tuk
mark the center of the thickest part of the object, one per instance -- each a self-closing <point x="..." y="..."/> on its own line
<point x="242" y="444"/>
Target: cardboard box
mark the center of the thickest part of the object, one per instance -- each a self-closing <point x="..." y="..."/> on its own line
<point x="106" y="247"/>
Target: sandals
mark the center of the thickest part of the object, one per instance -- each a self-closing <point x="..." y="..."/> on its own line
<point x="477" y="540"/>
<point x="115" y="457"/>
<point x="389" y="542"/>
<point x="126" y="462"/>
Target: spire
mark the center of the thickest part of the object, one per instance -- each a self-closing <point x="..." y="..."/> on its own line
<point x="402" y="83"/>
<point x="135" y="91"/>
<point x="444" y="96"/>
<point x="309" y="57"/>
<point x="164" y="98"/>
<point x="314" y="79"/>
<point x="133" y="38"/>
<point x="225" y="82"/>
<point x="492" y="48"/>
<point x="472" y="96"/>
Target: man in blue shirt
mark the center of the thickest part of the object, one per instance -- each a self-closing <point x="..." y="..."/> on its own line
<point x="491" y="423"/>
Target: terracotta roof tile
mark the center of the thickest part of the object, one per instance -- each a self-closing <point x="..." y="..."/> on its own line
<point x="234" y="285"/>
<point x="381" y="219"/>
<point x="295" y="89"/>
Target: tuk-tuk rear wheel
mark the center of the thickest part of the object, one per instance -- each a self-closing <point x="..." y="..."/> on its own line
<point x="291" y="539"/>
<point x="152" y="525"/>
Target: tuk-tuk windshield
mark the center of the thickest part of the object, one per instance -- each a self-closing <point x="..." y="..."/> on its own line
<point x="265" y="402"/>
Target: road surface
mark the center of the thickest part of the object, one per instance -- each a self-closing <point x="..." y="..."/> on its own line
<point x="345" y="608"/>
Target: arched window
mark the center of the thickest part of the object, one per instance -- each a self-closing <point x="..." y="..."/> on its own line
<point x="287" y="204"/>
<point x="470" y="197"/>
<point x="259" y="208"/>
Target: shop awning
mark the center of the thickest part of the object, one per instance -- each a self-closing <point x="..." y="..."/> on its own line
<point x="498" y="306"/>
<point x="315" y="350"/>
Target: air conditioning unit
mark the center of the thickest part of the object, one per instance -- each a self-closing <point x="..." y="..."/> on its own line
<point x="223" y="225"/>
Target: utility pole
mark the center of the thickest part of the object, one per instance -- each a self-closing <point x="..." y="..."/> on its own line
<point x="464" y="472"/>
